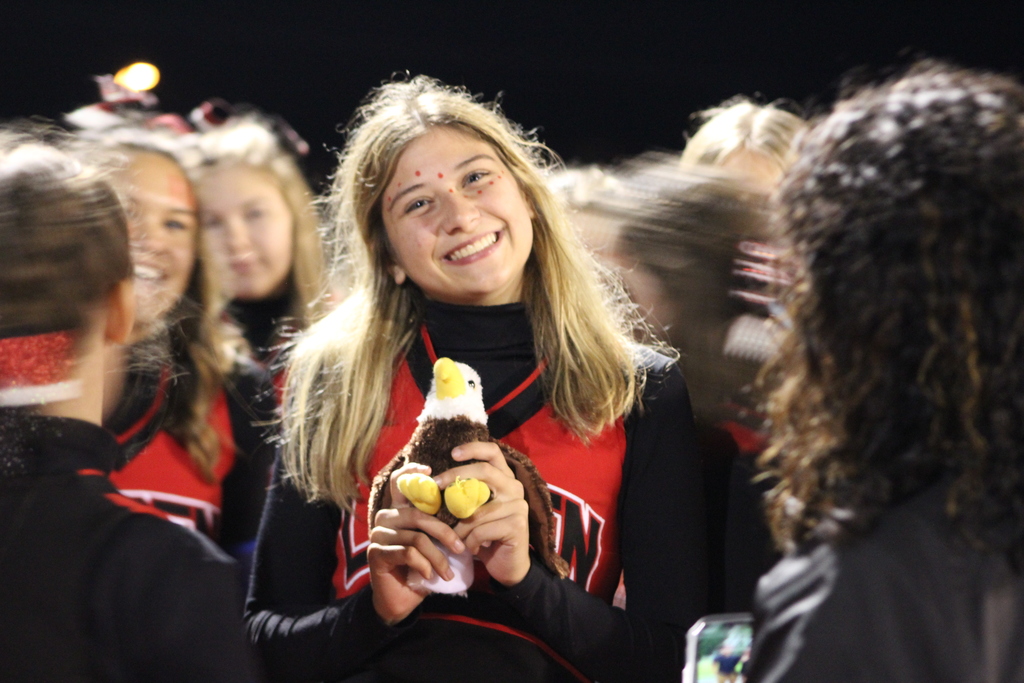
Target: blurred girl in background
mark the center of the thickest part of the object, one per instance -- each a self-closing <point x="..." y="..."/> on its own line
<point x="188" y="405"/>
<point x="755" y="144"/>
<point x="694" y="246"/>
<point x="193" y="427"/>
<point x="256" y="210"/>
<point x="752" y="140"/>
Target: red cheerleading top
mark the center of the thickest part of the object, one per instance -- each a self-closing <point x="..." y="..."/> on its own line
<point x="158" y="470"/>
<point x="630" y="499"/>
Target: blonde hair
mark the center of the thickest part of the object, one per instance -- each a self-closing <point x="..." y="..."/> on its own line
<point x="739" y="124"/>
<point x="340" y="375"/>
<point x="248" y="142"/>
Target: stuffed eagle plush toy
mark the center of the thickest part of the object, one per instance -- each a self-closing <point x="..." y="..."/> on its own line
<point x="454" y="415"/>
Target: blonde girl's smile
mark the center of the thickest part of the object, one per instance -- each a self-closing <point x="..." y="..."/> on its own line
<point x="477" y="248"/>
<point x="458" y="223"/>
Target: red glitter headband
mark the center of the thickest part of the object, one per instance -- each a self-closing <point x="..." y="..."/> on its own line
<point x="35" y="369"/>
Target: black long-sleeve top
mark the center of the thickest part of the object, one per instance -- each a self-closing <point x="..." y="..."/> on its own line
<point x="909" y="600"/>
<point x="304" y="633"/>
<point x="94" y="586"/>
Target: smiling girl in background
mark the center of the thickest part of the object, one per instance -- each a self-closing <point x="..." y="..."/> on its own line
<point x="457" y="248"/>
<point x="187" y="424"/>
<point x="256" y="210"/>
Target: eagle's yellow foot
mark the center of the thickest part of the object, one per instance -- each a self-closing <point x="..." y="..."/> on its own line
<point x="466" y="495"/>
<point x="422" y="491"/>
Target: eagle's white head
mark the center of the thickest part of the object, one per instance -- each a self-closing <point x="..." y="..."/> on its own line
<point x="455" y="390"/>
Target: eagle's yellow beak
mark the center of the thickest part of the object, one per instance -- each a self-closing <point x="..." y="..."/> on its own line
<point x="448" y="379"/>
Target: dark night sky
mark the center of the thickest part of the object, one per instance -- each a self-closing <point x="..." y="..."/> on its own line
<point x="601" y="80"/>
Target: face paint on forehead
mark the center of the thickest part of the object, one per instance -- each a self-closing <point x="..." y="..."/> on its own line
<point x="180" y="189"/>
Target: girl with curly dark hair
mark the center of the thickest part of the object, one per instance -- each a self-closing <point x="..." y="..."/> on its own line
<point x="899" y="391"/>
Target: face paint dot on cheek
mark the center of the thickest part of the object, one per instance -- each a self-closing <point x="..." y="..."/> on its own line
<point x="479" y="191"/>
<point x="417" y="172"/>
<point x="451" y="189"/>
<point x="490" y="182"/>
<point x="440" y="175"/>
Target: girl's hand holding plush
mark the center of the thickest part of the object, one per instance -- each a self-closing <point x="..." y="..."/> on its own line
<point x="491" y="493"/>
<point x="498" y="533"/>
<point x="400" y="541"/>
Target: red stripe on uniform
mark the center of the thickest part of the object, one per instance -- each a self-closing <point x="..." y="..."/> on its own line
<point x="518" y="390"/>
<point x="431" y="353"/>
<point x="92" y="473"/>
<point x="511" y="631"/>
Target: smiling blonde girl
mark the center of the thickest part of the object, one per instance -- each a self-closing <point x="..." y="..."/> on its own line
<point x="457" y="248"/>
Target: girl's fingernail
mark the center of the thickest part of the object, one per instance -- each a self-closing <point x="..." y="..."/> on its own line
<point x="457" y="451"/>
<point x="459" y="546"/>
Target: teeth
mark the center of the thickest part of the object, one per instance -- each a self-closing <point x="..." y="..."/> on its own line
<point x="473" y="248"/>
<point x="146" y="273"/>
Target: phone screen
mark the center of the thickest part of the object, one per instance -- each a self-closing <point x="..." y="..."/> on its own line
<point x="718" y="649"/>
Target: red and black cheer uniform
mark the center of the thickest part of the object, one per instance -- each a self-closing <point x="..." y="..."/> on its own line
<point x="628" y="500"/>
<point x="158" y="470"/>
<point x="95" y="586"/>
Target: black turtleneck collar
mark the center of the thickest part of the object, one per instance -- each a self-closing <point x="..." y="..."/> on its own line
<point x="33" y="445"/>
<point x="261" y="319"/>
<point x="456" y="330"/>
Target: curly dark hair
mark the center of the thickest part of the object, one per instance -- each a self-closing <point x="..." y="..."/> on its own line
<point x="905" y="361"/>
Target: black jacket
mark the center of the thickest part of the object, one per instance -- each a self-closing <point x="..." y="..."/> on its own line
<point x="907" y="602"/>
<point x="95" y="586"/>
